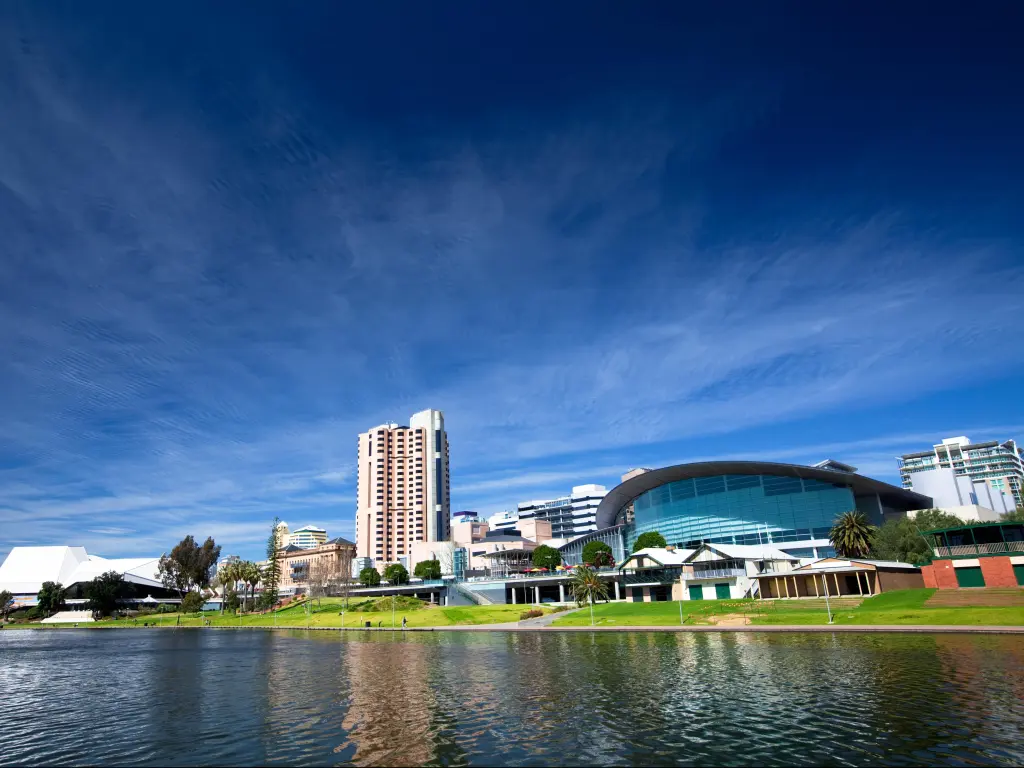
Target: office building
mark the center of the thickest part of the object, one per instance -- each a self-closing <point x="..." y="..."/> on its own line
<point x="403" y="487"/>
<point x="570" y="515"/>
<point x="998" y="464"/>
<point x="503" y="521"/>
<point x="306" y="537"/>
<point x="753" y="503"/>
<point x="971" y="499"/>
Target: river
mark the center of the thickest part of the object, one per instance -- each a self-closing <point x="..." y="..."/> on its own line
<point x="217" y="697"/>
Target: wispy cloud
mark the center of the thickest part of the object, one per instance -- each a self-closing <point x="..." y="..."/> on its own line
<point x="197" y="318"/>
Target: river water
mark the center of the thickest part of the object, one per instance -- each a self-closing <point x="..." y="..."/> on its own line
<point x="216" y="697"/>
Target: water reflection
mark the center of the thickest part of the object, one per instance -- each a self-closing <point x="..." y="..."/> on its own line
<point x="217" y="697"/>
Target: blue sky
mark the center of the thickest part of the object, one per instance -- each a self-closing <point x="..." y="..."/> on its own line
<point x="596" y="235"/>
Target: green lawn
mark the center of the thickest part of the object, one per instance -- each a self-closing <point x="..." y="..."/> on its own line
<point x="899" y="607"/>
<point x="328" y="614"/>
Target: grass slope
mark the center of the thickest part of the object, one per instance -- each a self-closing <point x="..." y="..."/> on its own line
<point x="900" y="607"/>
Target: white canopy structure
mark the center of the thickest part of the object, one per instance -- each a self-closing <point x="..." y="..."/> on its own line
<point x="26" y="568"/>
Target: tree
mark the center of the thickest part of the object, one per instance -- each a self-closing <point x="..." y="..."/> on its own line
<point x="229" y="576"/>
<point x="51" y="597"/>
<point x="369" y="577"/>
<point x="192" y="602"/>
<point x="189" y="566"/>
<point x="852" y="535"/>
<point x="903" y="539"/>
<point x="272" y="573"/>
<point x="105" y="591"/>
<point x="428" y="570"/>
<point x="396" y="574"/>
<point x="651" y="539"/>
<point x="587" y="587"/>
<point x="322" y="576"/>
<point x="546" y="557"/>
<point x="251" y="575"/>
<point x="598" y="554"/>
<point x="1017" y="516"/>
<point x="6" y="602"/>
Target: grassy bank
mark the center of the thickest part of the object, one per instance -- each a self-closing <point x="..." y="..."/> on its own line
<point x="900" y="607"/>
<point x="328" y="614"/>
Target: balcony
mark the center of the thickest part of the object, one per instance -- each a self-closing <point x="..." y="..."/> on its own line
<point x="998" y="548"/>
<point x="716" y="573"/>
<point x="651" y="576"/>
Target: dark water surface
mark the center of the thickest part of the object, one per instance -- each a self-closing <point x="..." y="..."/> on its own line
<point x="212" y="697"/>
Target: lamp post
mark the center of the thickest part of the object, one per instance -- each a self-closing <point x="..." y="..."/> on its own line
<point x="828" y="608"/>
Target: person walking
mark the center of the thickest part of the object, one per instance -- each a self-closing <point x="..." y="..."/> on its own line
<point x="403" y="622"/>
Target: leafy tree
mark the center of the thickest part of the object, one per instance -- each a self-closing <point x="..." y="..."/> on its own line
<point x="189" y="566"/>
<point x="396" y="574"/>
<point x="902" y="539"/>
<point x="930" y="519"/>
<point x="587" y="587"/>
<point x="192" y="602"/>
<point x="546" y="557"/>
<point x="852" y="535"/>
<point x="598" y="554"/>
<point x="1017" y="516"/>
<point x="51" y="597"/>
<point x="6" y="602"/>
<point x="428" y="570"/>
<point x="369" y="577"/>
<point x="272" y="572"/>
<point x="105" y="591"/>
<point x="651" y="539"/>
<point x="231" y="602"/>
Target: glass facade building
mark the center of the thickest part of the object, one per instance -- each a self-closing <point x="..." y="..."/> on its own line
<point x="788" y="506"/>
<point x="739" y="509"/>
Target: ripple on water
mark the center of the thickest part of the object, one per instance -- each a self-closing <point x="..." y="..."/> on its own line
<point x="223" y="698"/>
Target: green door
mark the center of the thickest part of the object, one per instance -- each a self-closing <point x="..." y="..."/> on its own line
<point x="1018" y="571"/>
<point x="721" y="591"/>
<point x="696" y="592"/>
<point x="969" y="577"/>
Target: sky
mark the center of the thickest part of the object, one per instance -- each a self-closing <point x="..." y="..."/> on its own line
<point x="596" y="235"/>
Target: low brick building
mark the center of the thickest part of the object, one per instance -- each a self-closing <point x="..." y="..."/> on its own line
<point x="980" y="555"/>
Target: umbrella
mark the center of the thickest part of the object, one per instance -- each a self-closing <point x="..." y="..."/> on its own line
<point x="543" y="570"/>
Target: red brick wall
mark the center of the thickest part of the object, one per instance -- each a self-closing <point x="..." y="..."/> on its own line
<point x="997" y="572"/>
<point x="942" y="572"/>
<point x="927" y="573"/>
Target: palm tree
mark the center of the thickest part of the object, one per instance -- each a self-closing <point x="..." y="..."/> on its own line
<point x="228" y="576"/>
<point x="852" y="535"/>
<point x="252" y="576"/>
<point x="587" y="587"/>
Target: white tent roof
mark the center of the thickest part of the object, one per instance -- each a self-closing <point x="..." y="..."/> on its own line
<point x="26" y="568"/>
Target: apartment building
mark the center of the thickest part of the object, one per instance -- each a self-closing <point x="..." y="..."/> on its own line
<point x="403" y="487"/>
<point x="569" y="515"/>
<point x="999" y="465"/>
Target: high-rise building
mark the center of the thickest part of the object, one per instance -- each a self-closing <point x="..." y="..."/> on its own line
<point x="306" y="537"/>
<point x="999" y="465"/>
<point x="569" y="515"/>
<point x="403" y="487"/>
<point x="503" y="521"/>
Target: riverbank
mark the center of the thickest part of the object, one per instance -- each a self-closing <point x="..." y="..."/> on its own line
<point x="903" y="611"/>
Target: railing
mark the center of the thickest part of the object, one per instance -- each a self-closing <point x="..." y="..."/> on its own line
<point x="650" y="576"/>
<point x="979" y="549"/>
<point x="720" y="573"/>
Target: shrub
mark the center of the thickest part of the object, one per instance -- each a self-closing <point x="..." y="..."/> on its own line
<point x="428" y="570"/>
<point x="165" y="608"/>
<point x="649" y="539"/>
<point x="193" y="602"/>
<point x="597" y="553"/>
<point x="396" y="574"/>
<point x="546" y="557"/>
<point x="531" y="614"/>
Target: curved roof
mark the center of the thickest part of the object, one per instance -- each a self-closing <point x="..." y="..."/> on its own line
<point x="624" y="493"/>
